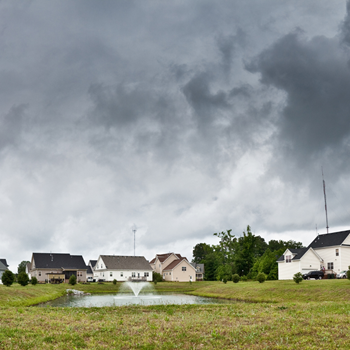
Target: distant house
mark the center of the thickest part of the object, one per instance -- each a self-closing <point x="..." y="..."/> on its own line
<point x="91" y="270"/>
<point x="173" y="267"/>
<point x="57" y="267"/>
<point x="199" y="271"/>
<point x="122" y="268"/>
<point x="3" y="267"/>
<point x="329" y="252"/>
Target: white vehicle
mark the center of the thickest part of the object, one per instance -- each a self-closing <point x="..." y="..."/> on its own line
<point x="90" y="279"/>
<point x="342" y="274"/>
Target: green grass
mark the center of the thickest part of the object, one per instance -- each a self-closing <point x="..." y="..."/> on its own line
<point x="312" y="315"/>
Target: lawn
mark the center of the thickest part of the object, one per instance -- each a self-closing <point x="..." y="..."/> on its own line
<point x="312" y="315"/>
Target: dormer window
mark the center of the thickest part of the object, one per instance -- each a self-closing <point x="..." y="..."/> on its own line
<point x="288" y="258"/>
<point x="337" y="252"/>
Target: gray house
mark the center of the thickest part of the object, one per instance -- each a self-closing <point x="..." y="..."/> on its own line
<point x="57" y="267"/>
<point x="3" y="267"/>
<point x="199" y="271"/>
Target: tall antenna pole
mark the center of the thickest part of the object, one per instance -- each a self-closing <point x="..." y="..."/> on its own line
<point x="325" y="199"/>
<point x="134" y="230"/>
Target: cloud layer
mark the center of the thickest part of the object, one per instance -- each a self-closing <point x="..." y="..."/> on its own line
<point x="182" y="118"/>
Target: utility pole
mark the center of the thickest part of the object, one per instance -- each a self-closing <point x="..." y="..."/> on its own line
<point x="325" y="200"/>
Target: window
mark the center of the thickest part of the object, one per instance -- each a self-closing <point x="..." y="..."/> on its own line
<point x="111" y="274"/>
<point x="80" y="273"/>
<point x="121" y="274"/>
<point x="169" y="273"/>
<point x="39" y="273"/>
<point x="330" y="266"/>
<point x="146" y="274"/>
<point x="288" y="258"/>
<point x="337" y="252"/>
<point x="133" y="274"/>
<point x="101" y="266"/>
<point x="183" y="268"/>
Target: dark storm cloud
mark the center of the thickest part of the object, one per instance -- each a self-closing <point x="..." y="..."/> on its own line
<point x="316" y="79"/>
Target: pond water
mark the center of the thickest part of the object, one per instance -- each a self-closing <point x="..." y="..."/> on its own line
<point x="99" y="300"/>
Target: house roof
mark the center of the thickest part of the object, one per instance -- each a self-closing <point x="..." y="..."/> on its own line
<point x="329" y="239"/>
<point x="4" y="262"/>
<point x="58" y="260"/>
<point x="116" y="262"/>
<point x="3" y="267"/>
<point x="93" y="263"/>
<point x="152" y="261"/>
<point x="163" y="257"/>
<point x="298" y="253"/>
<point x="173" y="264"/>
<point x="198" y="267"/>
<point x="89" y="270"/>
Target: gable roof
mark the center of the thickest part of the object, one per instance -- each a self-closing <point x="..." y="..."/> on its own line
<point x="153" y="261"/>
<point x="329" y="239"/>
<point x="89" y="270"/>
<point x="3" y="267"/>
<point x="173" y="264"/>
<point x="117" y="262"/>
<point x="93" y="263"/>
<point x="198" y="267"/>
<point x="4" y="262"/>
<point x="298" y="253"/>
<point x="58" y="260"/>
<point x="163" y="257"/>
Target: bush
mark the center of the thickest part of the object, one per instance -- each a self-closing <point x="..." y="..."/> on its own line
<point x="34" y="281"/>
<point x="114" y="281"/>
<point x="157" y="277"/>
<point x="244" y="278"/>
<point x="224" y="279"/>
<point x="72" y="280"/>
<point x="236" y="278"/>
<point x="261" y="277"/>
<point x="23" y="279"/>
<point x="8" y="278"/>
<point x="298" y="277"/>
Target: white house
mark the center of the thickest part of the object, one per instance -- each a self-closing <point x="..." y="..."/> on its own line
<point x="122" y="268"/>
<point x="329" y="252"/>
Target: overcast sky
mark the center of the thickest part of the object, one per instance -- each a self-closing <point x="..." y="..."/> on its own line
<point x="183" y="118"/>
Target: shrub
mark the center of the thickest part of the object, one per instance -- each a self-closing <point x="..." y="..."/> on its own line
<point x="244" y="278"/>
<point x="224" y="279"/>
<point x="114" y="281"/>
<point x="8" y="278"/>
<point x="34" y="281"/>
<point x="348" y="274"/>
<point x="261" y="277"/>
<point x="72" y="280"/>
<point x="157" y="277"/>
<point x="23" y="279"/>
<point x="235" y="278"/>
<point x="298" y="277"/>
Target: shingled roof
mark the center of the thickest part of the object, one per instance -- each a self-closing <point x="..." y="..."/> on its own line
<point x="329" y="239"/>
<point x="298" y="253"/>
<point x="117" y="262"/>
<point x="3" y="267"/>
<point x="4" y="262"/>
<point x="173" y="264"/>
<point x="92" y="263"/>
<point x="58" y="260"/>
<point x="163" y="257"/>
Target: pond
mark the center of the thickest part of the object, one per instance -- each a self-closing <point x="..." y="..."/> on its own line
<point x="99" y="300"/>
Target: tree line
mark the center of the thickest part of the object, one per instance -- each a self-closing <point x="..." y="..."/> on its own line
<point x="247" y="255"/>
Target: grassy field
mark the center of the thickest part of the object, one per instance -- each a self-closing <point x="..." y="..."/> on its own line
<point x="280" y="315"/>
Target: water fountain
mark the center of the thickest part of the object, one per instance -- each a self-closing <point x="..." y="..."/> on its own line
<point x="136" y="288"/>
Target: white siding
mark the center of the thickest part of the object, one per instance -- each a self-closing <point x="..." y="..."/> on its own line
<point x="328" y="255"/>
<point x="347" y="240"/>
<point x="344" y="258"/>
<point x="286" y="271"/>
<point x="309" y="262"/>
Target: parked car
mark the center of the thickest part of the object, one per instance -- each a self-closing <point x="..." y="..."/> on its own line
<point x="342" y="274"/>
<point x="317" y="275"/>
<point x="90" y="279"/>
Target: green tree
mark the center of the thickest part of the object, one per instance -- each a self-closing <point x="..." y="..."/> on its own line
<point x="298" y="277"/>
<point x="72" y="280"/>
<point x="22" y="266"/>
<point x="7" y="278"/>
<point x="261" y="277"/>
<point x="34" y="281"/>
<point x="200" y="252"/>
<point x="236" y="278"/>
<point x="157" y="277"/>
<point x="23" y="279"/>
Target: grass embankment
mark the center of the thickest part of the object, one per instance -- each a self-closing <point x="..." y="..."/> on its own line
<point x="312" y="315"/>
